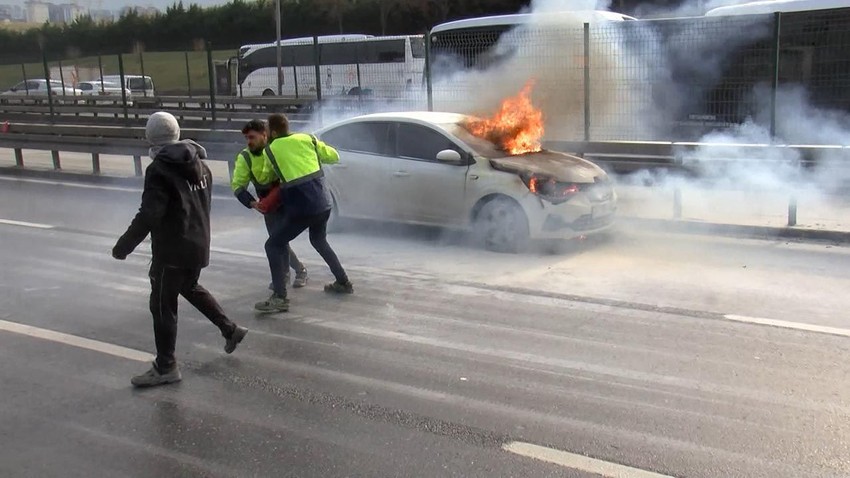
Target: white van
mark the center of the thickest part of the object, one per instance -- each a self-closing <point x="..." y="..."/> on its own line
<point x="139" y="85"/>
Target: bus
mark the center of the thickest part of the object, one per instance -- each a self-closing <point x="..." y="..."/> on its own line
<point x="379" y="66"/>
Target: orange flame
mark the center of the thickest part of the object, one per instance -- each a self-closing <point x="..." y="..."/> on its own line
<point x="516" y="128"/>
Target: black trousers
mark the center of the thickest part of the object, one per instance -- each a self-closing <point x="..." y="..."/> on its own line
<point x="288" y="229"/>
<point x="273" y="218"/>
<point x="166" y="284"/>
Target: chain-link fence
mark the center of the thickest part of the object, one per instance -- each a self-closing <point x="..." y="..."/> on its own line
<point x="142" y="73"/>
<point x="674" y="79"/>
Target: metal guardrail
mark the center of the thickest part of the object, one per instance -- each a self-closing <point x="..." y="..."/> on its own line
<point x="223" y="145"/>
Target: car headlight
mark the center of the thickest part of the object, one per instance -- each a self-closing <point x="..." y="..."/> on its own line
<point x="551" y="190"/>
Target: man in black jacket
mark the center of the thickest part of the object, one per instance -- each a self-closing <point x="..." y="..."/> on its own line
<point x="175" y="211"/>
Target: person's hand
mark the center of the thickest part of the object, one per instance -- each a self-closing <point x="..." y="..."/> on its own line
<point x="118" y="255"/>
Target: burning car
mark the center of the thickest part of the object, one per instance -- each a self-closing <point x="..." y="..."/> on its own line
<point x="489" y="176"/>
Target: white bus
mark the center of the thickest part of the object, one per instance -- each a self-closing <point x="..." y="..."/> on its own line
<point x="384" y="67"/>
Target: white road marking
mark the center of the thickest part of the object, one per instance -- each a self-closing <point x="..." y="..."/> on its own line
<point x="89" y="186"/>
<point x="75" y="341"/>
<point x="578" y="462"/>
<point x="822" y="329"/>
<point x="737" y="318"/>
<point x="33" y="225"/>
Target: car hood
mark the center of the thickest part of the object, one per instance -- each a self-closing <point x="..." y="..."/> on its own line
<point x="556" y="165"/>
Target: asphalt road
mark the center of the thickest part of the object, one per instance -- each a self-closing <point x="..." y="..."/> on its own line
<point x="635" y="356"/>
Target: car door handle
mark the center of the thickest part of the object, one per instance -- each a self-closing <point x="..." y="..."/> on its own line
<point x="401" y="174"/>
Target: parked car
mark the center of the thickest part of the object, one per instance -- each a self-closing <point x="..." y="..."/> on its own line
<point x="139" y="85"/>
<point x="95" y="87"/>
<point x="39" y="88"/>
<point x="427" y="168"/>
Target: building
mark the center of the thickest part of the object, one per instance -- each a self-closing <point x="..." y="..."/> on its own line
<point x="37" y="11"/>
<point x="102" y="15"/>
<point x="66" y="12"/>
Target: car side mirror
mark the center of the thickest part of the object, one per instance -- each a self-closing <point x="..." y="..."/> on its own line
<point x="448" y="156"/>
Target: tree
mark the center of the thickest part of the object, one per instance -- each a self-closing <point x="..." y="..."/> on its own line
<point x="336" y="9"/>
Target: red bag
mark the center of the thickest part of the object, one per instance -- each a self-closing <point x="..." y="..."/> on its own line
<point x="271" y="202"/>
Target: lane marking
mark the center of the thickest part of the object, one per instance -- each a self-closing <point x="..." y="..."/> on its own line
<point x="33" y="225"/>
<point x="75" y="341"/>
<point x="732" y="317"/>
<point x="823" y="329"/>
<point x="103" y="187"/>
<point x="578" y="462"/>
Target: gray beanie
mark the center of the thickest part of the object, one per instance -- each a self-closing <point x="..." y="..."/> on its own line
<point x="162" y="129"/>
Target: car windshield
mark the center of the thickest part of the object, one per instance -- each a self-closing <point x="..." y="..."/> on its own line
<point x="480" y="145"/>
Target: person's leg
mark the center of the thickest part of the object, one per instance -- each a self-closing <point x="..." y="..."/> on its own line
<point x="277" y="253"/>
<point x="271" y="219"/>
<point x="165" y="287"/>
<point x="319" y="240"/>
<point x="201" y="299"/>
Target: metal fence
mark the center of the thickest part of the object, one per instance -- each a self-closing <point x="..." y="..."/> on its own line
<point x="672" y="80"/>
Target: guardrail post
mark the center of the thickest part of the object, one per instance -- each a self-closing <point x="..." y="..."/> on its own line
<point x="137" y="164"/>
<point x="792" y="211"/>
<point x="19" y="157"/>
<point x="56" y="164"/>
<point x="230" y="167"/>
<point x="95" y="163"/>
<point x="677" y="203"/>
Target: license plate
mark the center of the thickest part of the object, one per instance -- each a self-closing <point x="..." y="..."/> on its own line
<point x="602" y="210"/>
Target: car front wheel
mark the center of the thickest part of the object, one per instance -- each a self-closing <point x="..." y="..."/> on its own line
<point x="501" y="226"/>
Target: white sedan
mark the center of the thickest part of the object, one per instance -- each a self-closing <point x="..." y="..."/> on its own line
<point x="426" y="168"/>
<point x="106" y="88"/>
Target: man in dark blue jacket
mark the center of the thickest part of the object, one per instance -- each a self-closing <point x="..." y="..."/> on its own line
<point x="175" y="211"/>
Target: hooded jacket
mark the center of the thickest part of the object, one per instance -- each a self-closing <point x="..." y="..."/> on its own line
<point x="175" y="208"/>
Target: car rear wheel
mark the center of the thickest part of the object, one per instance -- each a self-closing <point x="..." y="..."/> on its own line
<point x="501" y="226"/>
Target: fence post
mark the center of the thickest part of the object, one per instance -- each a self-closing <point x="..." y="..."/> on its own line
<point x="100" y="68"/>
<point x="56" y="163"/>
<point x="142" y="66"/>
<point x="49" y="88"/>
<point x="777" y="19"/>
<point x="587" y="81"/>
<point x="429" y="85"/>
<point x="295" y="79"/>
<point x="317" y="60"/>
<point x="24" y="72"/>
<point x="188" y="74"/>
<point x="359" y="80"/>
<point x="62" y="78"/>
<point x="123" y="87"/>
<point x="212" y="82"/>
